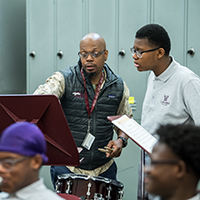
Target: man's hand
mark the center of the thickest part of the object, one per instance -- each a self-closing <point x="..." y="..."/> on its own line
<point x="116" y="146"/>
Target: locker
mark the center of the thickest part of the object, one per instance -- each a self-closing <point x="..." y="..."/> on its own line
<point x="69" y="31"/>
<point x="170" y="14"/>
<point x="193" y="32"/>
<point x="40" y="42"/>
<point x="130" y="20"/>
<point x="12" y="47"/>
<point x="102" y="20"/>
<point x="54" y="29"/>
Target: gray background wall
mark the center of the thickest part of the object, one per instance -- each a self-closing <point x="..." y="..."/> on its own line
<point x="45" y="27"/>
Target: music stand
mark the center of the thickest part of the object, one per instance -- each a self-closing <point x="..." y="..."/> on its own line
<point x="46" y="112"/>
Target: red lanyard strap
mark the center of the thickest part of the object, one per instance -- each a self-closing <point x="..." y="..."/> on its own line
<point x="96" y="94"/>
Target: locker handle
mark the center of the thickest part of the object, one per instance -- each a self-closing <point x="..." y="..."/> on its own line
<point x="191" y="51"/>
<point x="122" y="53"/>
<point x="32" y="54"/>
<point x="60" y="54"/>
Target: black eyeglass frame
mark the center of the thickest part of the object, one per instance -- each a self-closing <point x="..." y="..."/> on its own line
<point x="158" y="162"/>
<point x="139" y="53"/>
<point x="91" y="53"/>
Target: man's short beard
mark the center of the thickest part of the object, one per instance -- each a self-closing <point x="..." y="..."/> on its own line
<point x="92" y="74"/>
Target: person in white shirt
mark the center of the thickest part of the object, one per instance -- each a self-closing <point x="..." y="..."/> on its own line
<point x="173" y="91"/>
<point x="173" y="170"/>
<point x="22" y="153"/>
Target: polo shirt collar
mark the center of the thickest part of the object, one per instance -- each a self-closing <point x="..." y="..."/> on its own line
<point x="171" y="69"/>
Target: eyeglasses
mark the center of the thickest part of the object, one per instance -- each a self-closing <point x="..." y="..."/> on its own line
<point x="7" y="164"/>
<point x="94" y="54"/>
<point x="150" y="163"/>
<point x="139" y="53"/>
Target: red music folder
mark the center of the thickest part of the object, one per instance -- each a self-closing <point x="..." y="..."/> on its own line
<point x="134" y="131"/>
<point x="46" y="112"/>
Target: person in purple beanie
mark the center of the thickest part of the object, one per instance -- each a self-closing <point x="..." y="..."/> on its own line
<point x="22" y="153"/>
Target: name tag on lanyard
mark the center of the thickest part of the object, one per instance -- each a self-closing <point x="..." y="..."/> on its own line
<point x="89" y="138"/>
<point x="88" y="141"/>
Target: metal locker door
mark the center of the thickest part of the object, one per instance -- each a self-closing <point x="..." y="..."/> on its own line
<point x="132" y="16"/>
<point x="100" y="18"/>
<point x="12" y="47"/>
<point x="69" y="29"/>
<point x="193" y="32"/>
<point x="40" y="42"/>
<point x="171" y="15"/>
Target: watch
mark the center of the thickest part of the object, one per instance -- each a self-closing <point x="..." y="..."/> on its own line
<point x="124" y="140"/>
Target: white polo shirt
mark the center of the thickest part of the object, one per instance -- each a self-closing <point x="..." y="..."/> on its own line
<point x="172" y="97"/>
<point x="35" y="191"/>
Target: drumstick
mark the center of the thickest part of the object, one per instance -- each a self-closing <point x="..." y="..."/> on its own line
<point x="105" y="150"/>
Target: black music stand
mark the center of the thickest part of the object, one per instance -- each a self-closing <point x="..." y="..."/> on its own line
<point x="46" y="112"/>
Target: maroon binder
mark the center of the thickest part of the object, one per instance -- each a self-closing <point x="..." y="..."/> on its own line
<point x="46" y="112"/>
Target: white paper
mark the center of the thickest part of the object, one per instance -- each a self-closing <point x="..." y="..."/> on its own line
<point x="136" y="132"/>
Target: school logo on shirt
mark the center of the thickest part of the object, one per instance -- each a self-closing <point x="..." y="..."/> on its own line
<point x="78" y="94"/>
<point x="165" y="100"/>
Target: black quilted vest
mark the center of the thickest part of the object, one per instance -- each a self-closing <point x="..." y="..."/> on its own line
<point x="73" y="104"/>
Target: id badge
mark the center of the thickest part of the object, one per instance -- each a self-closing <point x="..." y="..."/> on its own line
<point x="88" y="141"/>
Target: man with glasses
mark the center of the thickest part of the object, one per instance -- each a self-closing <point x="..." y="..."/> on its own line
<point x="89" y="92"/>
<point x="173" y="172"/>
<point x="22" y="153"/>
<point x="173" y="91"/>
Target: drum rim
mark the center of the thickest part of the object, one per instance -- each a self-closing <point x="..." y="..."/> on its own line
<point x="90" y="177"/>
<point x="85" y="177"/>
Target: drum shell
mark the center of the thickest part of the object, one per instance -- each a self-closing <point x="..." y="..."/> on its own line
<point x="89" y="186"/>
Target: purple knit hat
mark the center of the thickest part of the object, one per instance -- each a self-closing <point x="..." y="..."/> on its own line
<point x="24" y="138"/>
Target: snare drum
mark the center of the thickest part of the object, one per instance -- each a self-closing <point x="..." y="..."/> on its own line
<point x="91" y="187"/>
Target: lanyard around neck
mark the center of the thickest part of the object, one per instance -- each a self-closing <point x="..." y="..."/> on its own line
<point x="96" y="94"/>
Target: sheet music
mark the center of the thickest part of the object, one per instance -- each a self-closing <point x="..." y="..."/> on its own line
<point x="136" y="132"/>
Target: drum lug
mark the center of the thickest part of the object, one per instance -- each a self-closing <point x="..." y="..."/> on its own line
<point x="69" y="183"/>
<point x="109" y="191"/>
<point x="121" y="194"/>
<point x="98" y="196"/>
<point x="88" y="192"/>
<point x="57" y="187"/>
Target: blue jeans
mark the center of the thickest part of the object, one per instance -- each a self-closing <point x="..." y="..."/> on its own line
<point x="110" y="173"/>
